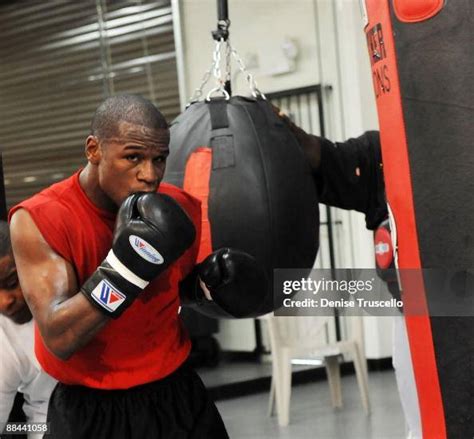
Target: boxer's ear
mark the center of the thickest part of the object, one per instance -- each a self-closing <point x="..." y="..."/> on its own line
<point x="92" y="150"/>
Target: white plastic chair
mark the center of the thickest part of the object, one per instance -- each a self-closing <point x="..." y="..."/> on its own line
<point x="297" y="337"/>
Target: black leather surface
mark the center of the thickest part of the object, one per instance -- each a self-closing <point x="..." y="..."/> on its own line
<point x="262" y="194"/>
<point x="436" y="68"/>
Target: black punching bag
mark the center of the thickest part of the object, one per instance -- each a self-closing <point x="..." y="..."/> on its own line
<point x="257" y="192"/>
<point x="422" y="61"/>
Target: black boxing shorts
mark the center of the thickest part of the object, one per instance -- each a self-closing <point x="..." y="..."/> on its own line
<point x="175" y="407"/>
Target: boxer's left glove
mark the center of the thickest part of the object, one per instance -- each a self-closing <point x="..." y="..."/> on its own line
<point x="228" y="283"/>
<point x="151" y="232"/>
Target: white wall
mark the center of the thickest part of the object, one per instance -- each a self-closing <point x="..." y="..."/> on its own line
<point x="258" y="28"/>
<point x="332" y="51"/>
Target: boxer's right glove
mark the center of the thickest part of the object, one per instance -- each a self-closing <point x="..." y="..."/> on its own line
<point x="152" y="231"/>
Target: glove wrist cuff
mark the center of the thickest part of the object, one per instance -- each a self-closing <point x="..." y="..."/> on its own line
<point x="126" y="273"/>
<point x="110" y="290"/>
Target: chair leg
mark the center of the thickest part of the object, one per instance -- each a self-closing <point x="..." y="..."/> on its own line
<point x="283" y="386"/>
<point x="271" y="398"/>
<point x="362" y="377"/>
<point x="334" y="380"/>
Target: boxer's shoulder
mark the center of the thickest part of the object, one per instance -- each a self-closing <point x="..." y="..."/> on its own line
<point x="47" y="206"/>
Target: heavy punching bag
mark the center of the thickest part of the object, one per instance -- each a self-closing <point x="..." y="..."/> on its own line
<point x="244" y="164"/>
<point x="257" y="192"/>
<point x="422" y="60"/>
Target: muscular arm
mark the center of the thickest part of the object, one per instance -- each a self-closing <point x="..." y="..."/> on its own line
<point x="67" y="321"/>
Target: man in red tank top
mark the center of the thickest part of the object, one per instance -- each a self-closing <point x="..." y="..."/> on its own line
<point x="106" y="301"/>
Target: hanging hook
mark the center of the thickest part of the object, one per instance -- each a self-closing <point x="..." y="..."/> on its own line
<point x="222" y="31"/>
<point x="222" y="34"/>
<point x="223" y="22"/>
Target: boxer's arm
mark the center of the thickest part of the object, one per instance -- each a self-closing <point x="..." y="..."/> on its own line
<point x="67" y="321"/>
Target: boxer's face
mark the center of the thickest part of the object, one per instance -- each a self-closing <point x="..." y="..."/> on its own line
<point x="12" y="302"/>
<point x="133" y="161"/>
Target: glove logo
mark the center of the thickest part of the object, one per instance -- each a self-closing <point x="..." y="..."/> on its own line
<point x="145" y="250"/>
<point x="107" y="296"/>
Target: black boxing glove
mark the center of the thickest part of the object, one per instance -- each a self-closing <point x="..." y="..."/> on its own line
<point x="236" y="285"/>
<point x="151" y="232"/>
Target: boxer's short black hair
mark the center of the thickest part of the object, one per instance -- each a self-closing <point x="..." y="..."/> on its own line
<point x="5" y="243"/>
<point x="125" y="108"/>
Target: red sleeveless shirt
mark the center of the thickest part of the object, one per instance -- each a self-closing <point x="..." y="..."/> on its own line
<point x="149" y="341"/>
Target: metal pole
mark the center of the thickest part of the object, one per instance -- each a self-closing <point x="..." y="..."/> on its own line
<point x="222" y="10"/>
<point x="332" y="253"/>
<point x="3" y="199"/>
<point x="178" y="44"/>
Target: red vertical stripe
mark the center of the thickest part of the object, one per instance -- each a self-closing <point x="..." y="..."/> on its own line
<point x="197" y="177"/>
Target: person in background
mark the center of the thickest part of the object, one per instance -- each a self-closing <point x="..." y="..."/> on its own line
<point x="19" y="369"/>
<point x="349" y="175"/>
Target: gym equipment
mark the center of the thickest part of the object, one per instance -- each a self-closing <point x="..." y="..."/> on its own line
<point x="241" y="160"/>
<point x="422" y="66"/>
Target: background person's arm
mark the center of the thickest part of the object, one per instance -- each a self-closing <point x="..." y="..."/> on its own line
<point x="348" y="175"/>
<point x="67" y="321"/>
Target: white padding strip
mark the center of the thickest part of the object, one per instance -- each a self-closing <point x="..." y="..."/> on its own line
<point x="124" y="271"/>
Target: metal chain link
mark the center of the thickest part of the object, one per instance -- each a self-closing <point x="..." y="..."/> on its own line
<point x="205" y="79"/>
<point x="248" y="76"/>
<point x="217" y="61"/>
<point x="198" y="91"/>
<point x="215" y="70"/>
<point x="220" y="83"/>
<point x="228" y="59"/>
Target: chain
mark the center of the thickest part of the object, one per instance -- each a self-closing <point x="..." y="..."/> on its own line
<point x="215" y="70"/>
<point x="220" y="83"/>
<point x="228" y="59"/>
<point x="212" y="69"/>
<point x="217" y="61"/>
<point x="198" y="91"/>
<point x="248" y="76"/>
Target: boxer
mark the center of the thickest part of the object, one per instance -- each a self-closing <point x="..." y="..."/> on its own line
<point x="101" y="257"/>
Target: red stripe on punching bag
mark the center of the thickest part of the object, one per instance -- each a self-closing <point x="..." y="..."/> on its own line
<point x="400" y="196"/>
<point x="197" y="177"/>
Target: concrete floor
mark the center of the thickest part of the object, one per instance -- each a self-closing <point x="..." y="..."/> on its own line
<point x="311" y="415"/>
